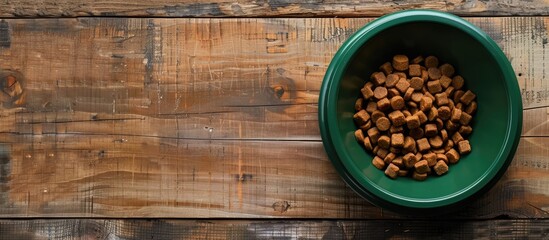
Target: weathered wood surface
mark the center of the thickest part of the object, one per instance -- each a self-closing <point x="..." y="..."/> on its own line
<point x="269" y="229"/>
<point x="263" y="8"/>
<point x="123" y="117"/>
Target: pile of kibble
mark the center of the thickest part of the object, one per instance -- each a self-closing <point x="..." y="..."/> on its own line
<point x="415" y="117"/>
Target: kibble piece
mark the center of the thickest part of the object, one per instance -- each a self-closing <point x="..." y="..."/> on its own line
<point x="441" y="156"/>
<point x="416" y="97"/>
<point x="376" y="115"/>
<point x="431" y="130"/>
<point x="409" y="144"/>
<point x="431" y="62"/>
<point x="442" y="99"/>
<point x="367" y="144"/>
<point x="414" y="70"/>
<point x="400" y="62"/>
<point x="374" y="134"/>
<point x="434" y="73"/>
<point x="359" y="135"/>
<point x="444" y="112"/>
<point x="386" y="68"/>
<point x="440" y="167"/>
<point x="380" y="92"/>
<point x="358" y="104"/>
<point x="457" y="137"/>
<point x="421" y="166"/>
<point x="366" y="126"/>
<point x="397" y="102"/>
<point x="438" y="150"/>
<point x="397" y="118"/>
<point x="384" y="142"/>
<point x="398" y="162"/>
<point x="444" y="135"/>
<point x="416" y="83"/>
<point x="464" y="147"/>
<point x="439" y="123"/>
<point x="401" y="75"/>
<point x="436" y="142"/>
<point x="423" y="145"/>
<point x="389" y="158"/>
<point x="457" y="95"/>
<point x="467" y="97"/>
<point x="402" y="85"/>
<point x="425" y="104"/>
<point x="417" y="60"/>
<point x="419" y="176"/>
<point x="459" y="106"/>
<point x="392" y="92"/>
<point x="451" y="126"/>
<point x="416" y="133"/>
<point x="458" y="82"/>
<point x="391" y="80"/>
<point x="412" y="122"/>
<point x="367" y="93"/>
<point x="424" y="75"/>
<point x="402" y="172"/>
<point x="472" y="108"/>
<point x="465" y="118"/>
<point x="378" y="163"/>
<point x="434" y="86"/>
<point x="371" y="107"/>
<point x="452" y="155"/>
<point x="413" y="108"/>
<point x="422" y="117"/>
<point x="445" y="82"/>
<point x="449" y="91"/>
<point x="395" y="150"/>
<point x="384" y="104"/>
<point x="378" y="78"/>
<point x="409" y="159"/>
<point x="376" y="148"/>
<point x="433" y="114"/>
<point x="431" y="158"/>
<point x="406" y="113"/>
<point x="456" y="115"/>
<point x="447" y="70"/>
<point x="392" y="171"/>
<point x="465" y="130"/>
<point x="361" y="117"/>
<point x="382" y="152"/>
<point x="450" y="103"/>
<point x="395" y="129"/>
<point x="408" y="94"/>
<point x="397" y="140"/>
<point x="383" y="124"/>
<point x="448" y="145"/>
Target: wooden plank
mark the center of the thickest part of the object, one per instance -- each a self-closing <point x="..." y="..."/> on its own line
<point x="271" y="8"/>
<point x="242" y="229"/>
<point x="179" y="118"/>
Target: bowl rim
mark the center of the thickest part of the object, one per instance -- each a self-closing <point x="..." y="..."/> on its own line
<point x="333" y="145"/>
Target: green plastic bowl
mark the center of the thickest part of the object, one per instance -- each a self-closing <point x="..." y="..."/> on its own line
<point x="487" y="72"/>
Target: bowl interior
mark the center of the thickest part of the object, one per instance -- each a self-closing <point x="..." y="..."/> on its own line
<point x="483" y="75"/>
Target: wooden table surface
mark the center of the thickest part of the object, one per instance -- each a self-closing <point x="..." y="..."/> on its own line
<point x="159" y="119"/>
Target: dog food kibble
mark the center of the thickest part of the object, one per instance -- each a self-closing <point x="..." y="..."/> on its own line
<point x="415" y="117"/>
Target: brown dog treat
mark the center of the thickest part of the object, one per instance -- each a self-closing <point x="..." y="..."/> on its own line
<point x="378" y="78"/>
<point x="444" y="112"/>
<point x="380" y="92"/>
<point x="366" y="126"/>
<point x="376" y="115"/>
<point x="416" y="83"/>
<point x="424" y="75"/>
<point x="431" y="130"/>
<point x="359" y="135"/>
<point x="444" y="135"/>
<point x="451" y="126"/>
<point x="419" y="176"/>
<point x="369" y="85"/>
<point x="412" y="122"/>
<point x="361" y="117"/>
<point x="448" y="145"/>
<point x="395" y="150"/>
<point x="397" y="118"/>
<point x="442" y="99"/>
<point x="401" y="75"/>
<point x="471" y="108"/>
<point x="409" y="144"/>
<point x="395" y="129"/>
<point x="384" y="142"/>
<point x="376" y="148"/>
<point x="367" y="93"/>
<point x="397" y="102"/>
<point x="431" y="62"/>
<point x="458" y="82"/>
<point x="417" y="60"/>
<point x="422" y="117"/>
<point x="398" y="162"/>
<point x="412" y="105"/>
<point x="397" y="140"/>
<point x="456" y="115"/>
<point x="467" y="97"/>
<point x="414" y="70"/>
<point x="402" y="85"/>
<point x="384" y="104"/>
<point x="359" y="104"/>
<point x="465" y="118"/>
<point x="419" y="156"/>
<point x="433" y="114"/>
<point x="464" y="147"/>
<point x="386" y="68"/>
<point x="429" y="95"/>
<point x="457" y="95"/>
<point x="452" y="155"/>
<point x="456" y="138"/>
<point x="459" y="106"/>
<point x="371" y="107"/>
<point x="416" y="97"/>
<point x="436" y="142"/>
<point x="425" y="104"/>
<point x="413" y="110"/>
<point x="367" y="144"/>
<point x="383" y="124"/>
<point x="409" y="159"/>
<point x="416" y="133"/>
<point x="402" y="173"/>
<point x="434" y="73"/>
<point x="423" y="144"/>
<point x="447" y="70"/>
<point x="431" y="158"/>
<point x="441" y="156"/>
<point x="440" y="167"/>
<point x="382" y="152"/>
<point x="400" y="62"/>
<point x="408" y="94"/>
<point x="445" y="82"/>
<point x="374" y="134"/>
<point x="438" y="150"/>
<point x="378" y="163"/>
<point x="449" y="91"/>
<point x="465" y="130"/>
<point x="389" y="158"/>
<point x="406" y="113"/>
<point x="439" y="123"/>
<point x="391" y="80"/>
<point x="450" y="103"/>
<point x="392" y="92"/>
<point x="422" y="166"/>
<point x="392" y="171"/>
<point x="434" y="86"/>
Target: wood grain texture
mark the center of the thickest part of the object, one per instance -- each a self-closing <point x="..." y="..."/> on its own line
<point x="268" y="229"/>
<point x="262" y="8"/>
<point x="122" y="117"/>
